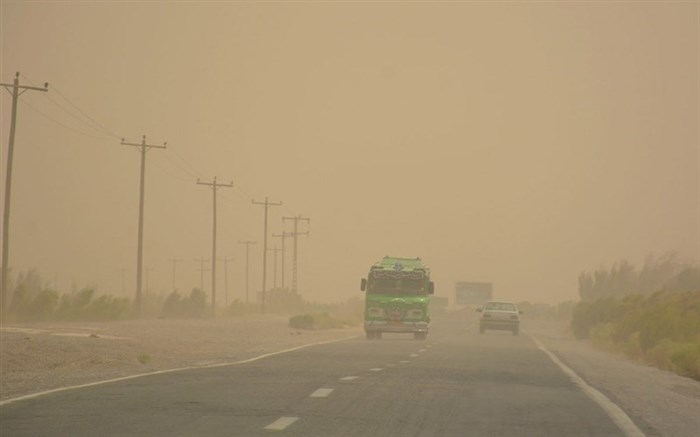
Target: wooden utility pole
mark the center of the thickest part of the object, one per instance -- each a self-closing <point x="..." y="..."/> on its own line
<point x="14" y="89"/>
<point x="295" y="234"/>
<point x="247" y="265"/>
<point x="283" y="236"/>
<point x="174" y="261"/>
<point x="201" y="271"/>
<point x="274" y="275"/>
<point x="214" y="186"/>
<point x="267" y="204"/>
<point x="226" y="260"/>
<point x="139" y="252"/>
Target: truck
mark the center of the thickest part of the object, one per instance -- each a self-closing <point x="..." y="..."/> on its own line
<point x="473" y="293"/>
<point x="397" y="297"/>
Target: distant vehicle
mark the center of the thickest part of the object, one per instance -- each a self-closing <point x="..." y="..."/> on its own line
<point x="397" y="298"/>
<point x="499" y="316"/>
<point x="473" y="293"/>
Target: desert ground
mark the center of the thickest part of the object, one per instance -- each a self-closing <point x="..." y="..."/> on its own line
<point x="38" y="357"/>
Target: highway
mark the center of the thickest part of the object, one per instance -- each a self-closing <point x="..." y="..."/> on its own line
<point x="455" y="383"/>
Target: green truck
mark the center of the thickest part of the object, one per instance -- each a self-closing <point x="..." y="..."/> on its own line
<point x="397" y="297"/>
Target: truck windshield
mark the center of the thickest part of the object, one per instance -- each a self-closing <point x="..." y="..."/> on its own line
<point x="411" y="287"/>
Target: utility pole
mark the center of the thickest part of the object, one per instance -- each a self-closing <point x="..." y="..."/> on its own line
<point x="295" y="234"/>
<point x="247" y="265"/>
<point x="122" y="270"/>
<point x="174" y="261"/>
<point x="201" y="270"/>
<point x="274" y="281"/>
<point x="214" y="187"/>
<point x="283" y="236"/>
<point x="14" y="89"/>
<point x="267" y="204"/>
<point x="139" y="252"/>
<point x="226" y="260"/>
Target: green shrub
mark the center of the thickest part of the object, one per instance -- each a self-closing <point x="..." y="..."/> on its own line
<point x="315" y="321"/>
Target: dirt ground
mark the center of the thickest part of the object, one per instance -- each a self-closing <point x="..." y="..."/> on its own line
<point x="43" y="356"/>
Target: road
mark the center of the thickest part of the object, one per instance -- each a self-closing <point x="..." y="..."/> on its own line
<point x="456" y="383"/>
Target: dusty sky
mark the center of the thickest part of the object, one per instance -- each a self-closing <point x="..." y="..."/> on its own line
<point x="517" y="143"/>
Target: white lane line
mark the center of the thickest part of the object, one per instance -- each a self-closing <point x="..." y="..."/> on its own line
<point x="413" y="355"/>
<point x="160" y="372"/>
<point x="281" y="423"/>
<point x="376" y="369"/>
<point x="349" y="378"/>
<point x="322" y="393"/>
<point x="618" y="416"/>
<point x="422" y="350"/>
<point x="404" y="362"/>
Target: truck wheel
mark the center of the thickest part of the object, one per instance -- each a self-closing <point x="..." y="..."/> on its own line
<point x="420" y="335"/>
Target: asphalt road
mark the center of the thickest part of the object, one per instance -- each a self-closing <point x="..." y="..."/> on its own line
<point x="455" y="383"/>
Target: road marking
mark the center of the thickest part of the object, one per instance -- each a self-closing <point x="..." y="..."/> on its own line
<point x="616" y="413"/>
<point x="413" y="355"/>
<point x="404" y="362"/>
<point x="322" y="393"/>
<point x="376" y="369"/>
<point x="349" y="378"/>
<point x="179" y="369"/>
<point x="422" y="350"/>
<point x="281" y="423"/>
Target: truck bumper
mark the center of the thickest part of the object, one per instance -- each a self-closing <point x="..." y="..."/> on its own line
<point x="383" y="326"/>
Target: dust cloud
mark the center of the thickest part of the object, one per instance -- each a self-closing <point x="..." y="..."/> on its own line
<point x="518" y="144"/>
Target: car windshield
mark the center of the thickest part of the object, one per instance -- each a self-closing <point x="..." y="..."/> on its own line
<point x="500" y="306"/>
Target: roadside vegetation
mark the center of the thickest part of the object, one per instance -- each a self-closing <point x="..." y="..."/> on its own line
<point x="34" y="300"/>
<point x="652" y="315"/>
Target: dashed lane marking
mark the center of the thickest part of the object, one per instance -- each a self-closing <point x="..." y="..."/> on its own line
<point x="376" y="369"/>
<point x="422" y="350"/>
<point x="322" y="393"/>
<point x="616" y="413"/>
<point x="404" y="362"/>
<point x="281" y="423"/>
<point x="349" y="378"/>
<point x="413" y="355"/>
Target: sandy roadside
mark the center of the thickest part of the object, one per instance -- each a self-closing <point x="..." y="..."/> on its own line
<point x="661" y="403"/>
<point x="45" y="356"/>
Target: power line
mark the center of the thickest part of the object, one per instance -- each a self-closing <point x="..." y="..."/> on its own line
<point x="62" y="124"/>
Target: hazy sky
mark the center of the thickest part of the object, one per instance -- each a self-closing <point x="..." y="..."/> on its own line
<point x="516" y="143"/>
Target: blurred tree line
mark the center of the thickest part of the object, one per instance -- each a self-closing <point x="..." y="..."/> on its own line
<point x="34" y="300"/>
<point x="666" y="273"/>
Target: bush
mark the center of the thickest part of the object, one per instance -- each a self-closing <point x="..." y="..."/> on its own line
<point x="194" y="306"/>
<point x="662" y="329"/>
<point x="315" y="321"/>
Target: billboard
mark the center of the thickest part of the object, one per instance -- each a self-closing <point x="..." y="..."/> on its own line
<point x="473" y="293"/>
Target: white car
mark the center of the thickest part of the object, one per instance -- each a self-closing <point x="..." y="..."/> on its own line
<point x="499" y="315"/>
